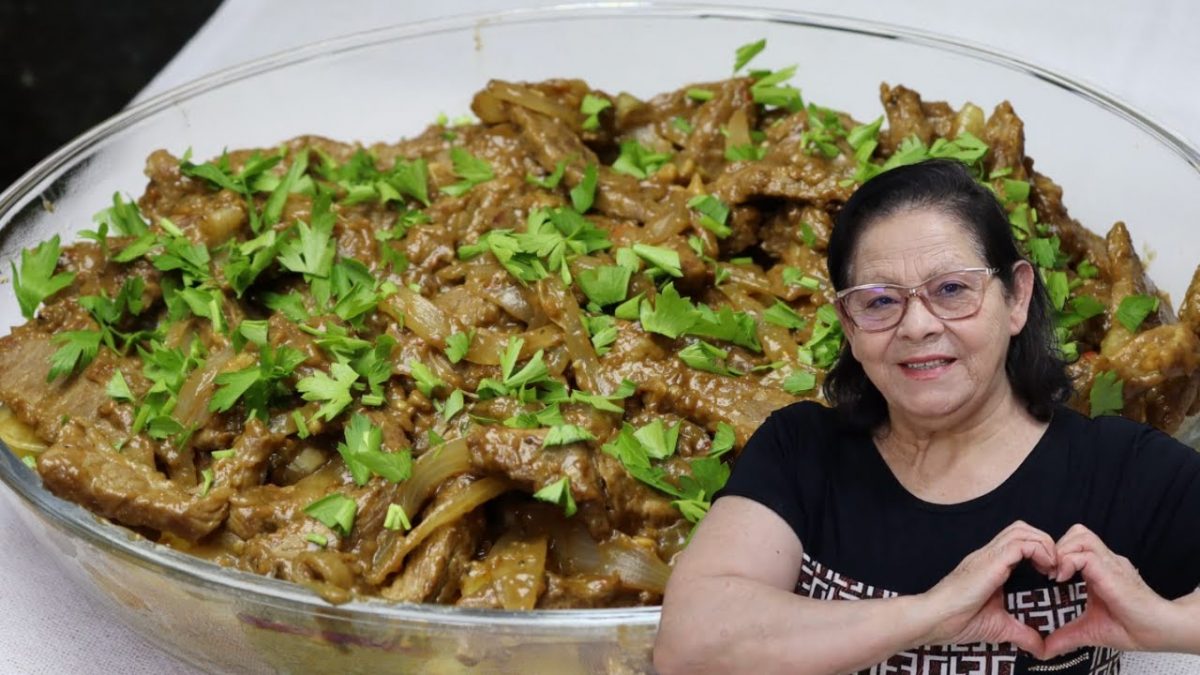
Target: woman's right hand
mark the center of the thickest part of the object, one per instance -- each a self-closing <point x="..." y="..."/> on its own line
<point x="968" y="605"/>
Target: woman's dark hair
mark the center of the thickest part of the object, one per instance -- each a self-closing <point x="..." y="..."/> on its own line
<point x="1034" y="363"/>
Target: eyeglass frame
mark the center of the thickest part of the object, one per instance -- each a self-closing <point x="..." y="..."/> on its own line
<point x="908" y="293"/>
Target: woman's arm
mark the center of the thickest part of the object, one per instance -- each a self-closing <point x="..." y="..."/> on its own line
<point x="1182" y="631"/>
<point x="730" y="607"/>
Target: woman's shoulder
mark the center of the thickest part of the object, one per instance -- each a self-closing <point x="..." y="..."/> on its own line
<point x="1120" y="438"/>
<point x="808" y="412"/>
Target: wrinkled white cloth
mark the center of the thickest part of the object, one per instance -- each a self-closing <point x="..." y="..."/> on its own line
<point x="1145" y="53"/>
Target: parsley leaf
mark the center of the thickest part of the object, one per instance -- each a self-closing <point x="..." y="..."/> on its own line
<point x="799" y="382"/>
<point x="1134" y="309"/>
<point x="558" y="492"/>
<point x="591" y="106"/>
<point x="118" y="389"/>
<point x="747" y="52"/>
<point x="470" y="169"/>
<point x="663" y="258"/>
<point x="639" y="161"/>
<point x="122" y="217"/>
<point x="274" y="208"/>
<point x="310" y="251"/>
<point x="583" y="194"/>
<point x="738" y="328"/>
<point x="703" y="356"/>
<point x="425" y="378"/>
<point x="769" y="90"/>
<point x="335" y="511"/>
<point x="671" y="315"/>
<point x="605" y="284"/>
<point x="333" y="391"/>
<point x="781" y="314"/>
<point x="825" y="342"/>
<point x="657" y="439"/>
<point x="37" y="281"/>
<point x="1107" y="394"/>
<point x="78" y="349"/>
<point x="363" y="455"/>
<point x="1079" y="309"/>
<point x="1058" y="287"/>
<point x="722" y="441"/>
<point x="565" y="434"/>
<point x="256" y="385"/>
<point x="396" y="518"/>
<point x="458" y="344"/>
<point x="549" y="182"/>
<point x="713" y="214"/>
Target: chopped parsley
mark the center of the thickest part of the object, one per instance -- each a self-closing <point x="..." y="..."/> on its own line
<point x="36" y="279"/>
<point x="592" y="106"/>
<point x="639" y="161"/>
<point x="335" y="511"/>
<point x="78" y="349"/>
<point x="583" y="194"/>
<point x="333" y="392"/>
<point x="1107" y="394"/>
<point x="713" y="214"/>
<point x="558" y="492"/>
<point x="566" y="434"/>
<point x="396" y="518"/>
<point x="605" y="284"/>
<point x="704" y="356"/>
<point x="747" y="52"/>
<point x="364" y="457"/>
<point x="472" y="170"/>
<point x="1134" y="309"/>
<point x="458" y="344"/>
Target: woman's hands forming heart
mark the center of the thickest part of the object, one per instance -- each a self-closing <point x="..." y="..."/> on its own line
<point x="1122" y="612"/>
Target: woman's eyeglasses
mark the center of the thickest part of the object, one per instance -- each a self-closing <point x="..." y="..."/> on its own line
<point x="953" y="295"/>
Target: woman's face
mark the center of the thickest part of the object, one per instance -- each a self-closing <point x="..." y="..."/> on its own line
<point x="925" y="367"/>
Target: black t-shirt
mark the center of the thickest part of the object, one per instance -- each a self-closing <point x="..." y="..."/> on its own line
<point x="865" y="536"/>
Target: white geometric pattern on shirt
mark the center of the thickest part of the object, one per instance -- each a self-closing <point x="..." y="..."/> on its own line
<point x="1046" y="609"/>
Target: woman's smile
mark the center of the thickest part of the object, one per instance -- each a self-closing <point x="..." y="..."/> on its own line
<point x="927" y="368"/>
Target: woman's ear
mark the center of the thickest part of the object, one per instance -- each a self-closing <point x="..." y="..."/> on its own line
<point x="1020" y="296"/>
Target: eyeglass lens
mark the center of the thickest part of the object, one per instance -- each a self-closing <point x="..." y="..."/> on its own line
<point x="954" y="295"/>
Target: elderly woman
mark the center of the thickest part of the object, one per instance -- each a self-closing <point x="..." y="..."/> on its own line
<point x="982" y="526"/>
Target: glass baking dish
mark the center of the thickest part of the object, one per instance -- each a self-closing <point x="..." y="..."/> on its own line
<point x="1114" y="164"/>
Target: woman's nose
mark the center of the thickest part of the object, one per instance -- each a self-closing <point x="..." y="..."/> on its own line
<point x="918" y="321"/>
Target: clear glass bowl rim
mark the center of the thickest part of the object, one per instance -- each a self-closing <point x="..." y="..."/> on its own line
<point x="262" y="590"/>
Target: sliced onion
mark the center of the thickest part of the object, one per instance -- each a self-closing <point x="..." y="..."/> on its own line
<point x="528" y="98"/>
<point x="418" y="314"/>
<point x="430" y="470"/>
<point x="637" y="567"/>
<point x="739" y="130"/>
<point x="499" y="288"/>
<point x="17" y="435"/>
<point x="560" y="306"/>
<point x="391" y="556"/>
<point x="489" y="345"/>
<point x="192" y="410"/>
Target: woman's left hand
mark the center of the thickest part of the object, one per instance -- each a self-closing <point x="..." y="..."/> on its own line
<point x="1122" y="612"/>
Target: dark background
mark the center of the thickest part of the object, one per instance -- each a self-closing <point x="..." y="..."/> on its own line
<point x="66" y="65"/>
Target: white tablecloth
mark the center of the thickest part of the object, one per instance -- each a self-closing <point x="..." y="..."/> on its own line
<point x="1145" y="53"/>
